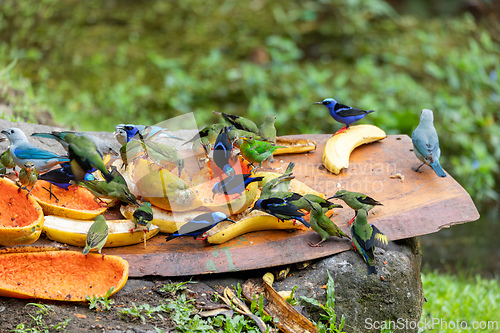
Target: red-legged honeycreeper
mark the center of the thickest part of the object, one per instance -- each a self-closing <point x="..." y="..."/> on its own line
<point x="234" y="184"/>
<point x="28" y="176"/>
<point x="199" y="225"/>
<point x="97" y="235"/>
<point x="281" y="209"/>
<point x="343" y="113"/>
<point x="322" y="224"/>
<point x="365" y="237"/>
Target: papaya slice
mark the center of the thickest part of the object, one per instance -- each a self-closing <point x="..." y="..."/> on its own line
<point x="60" y="275"/>
<point x="21" y="217"/>
<point x="77" y="203"/>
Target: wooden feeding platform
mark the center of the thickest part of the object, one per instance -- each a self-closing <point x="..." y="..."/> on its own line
<point x="420" y="204"/>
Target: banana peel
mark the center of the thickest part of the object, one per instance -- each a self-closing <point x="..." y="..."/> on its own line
<point x="339" y="147"/>
<point x="248" y="222"/>
<point x="74" y="232"/>
<point x="167" y="221"/>
<point x="295" y="185"/>
<point x="294" y="146"/>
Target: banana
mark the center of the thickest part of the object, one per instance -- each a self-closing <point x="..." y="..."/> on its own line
<point x="248" y="222"/>
<point x="339" y="147"/>
<point x="295" y="185"/>
<point x="74" y="232"/>
<point x="167" y="221"/>
<point x="293" y="146"/>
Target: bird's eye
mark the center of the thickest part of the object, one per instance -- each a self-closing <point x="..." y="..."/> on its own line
<point x="326" y="102"/>
<point x="11" y="131"/>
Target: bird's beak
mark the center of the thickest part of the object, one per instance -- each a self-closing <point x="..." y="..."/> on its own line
<point x="318" y="103"/>
<point x="336" y="196"/>
<point x="229" y="220"/>
<point x="4" y="132"/>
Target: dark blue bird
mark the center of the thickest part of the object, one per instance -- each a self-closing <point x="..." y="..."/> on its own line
<point x="234" y="184"/>
<point x="62" y="177"/>
<point x="343" y="113"/>
<point x="281" y="209"/>
<point x="199" y="225"/>
<point x="222" y="150"/>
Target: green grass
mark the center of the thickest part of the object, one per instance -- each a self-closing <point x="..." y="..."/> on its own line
<point x="469" y="299"/>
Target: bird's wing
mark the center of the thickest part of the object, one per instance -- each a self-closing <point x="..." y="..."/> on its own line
<point x="347" y="111"/>
<point x="377" y="239"/>
<point x="36" y="153"/>
<point x="281" y="207"/>
<point x="368" y="201"/>
<point x="96" y="238"/>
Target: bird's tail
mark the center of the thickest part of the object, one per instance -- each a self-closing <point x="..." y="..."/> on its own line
<point x="371" y="268"/>
<point x="370" y="111"/>
<point x="47" y="135"/>
<point x="438" y="169"/>
<point x="304" y="222"/>
<point x="108" y="176"/>
<point x="168" y="238"/>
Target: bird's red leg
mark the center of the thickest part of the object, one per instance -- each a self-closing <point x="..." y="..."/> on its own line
<point x="342" y="130"/>
<point x="352" y="220"/>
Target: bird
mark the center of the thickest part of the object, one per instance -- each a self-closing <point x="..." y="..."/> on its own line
<point x="365" y="237"/>
<point x="257" y="151"/>
<point x="278" y="184"/>
<point x="28" y="176"/>
<point x="199" y="225"/>
<point x="7" y="161"/>
<point x="85" y="157"/>
<point x="223" y="150"/>
<point x="304" y="202"/>
<point x="3" y="170"/>
<point x="240" y="123"/>
<point x="22" y="151"/>
<point x="103" y="146"/>
<point x="209" y="132"/>
<point x="426" y="143"/>
<point x="115" y="189"/>
<point x="356" y="201"/>
<point x="343" y="113"/>
<point x="62" y="177"/>
<point x="322" y="224"/>
<point x="234" y="184"/>
<point x="281" y="209"/>
<point x="267" y="131"/>
<point x="96" y="236"/>
<point x="161" y="153"/>
<point x="143" y="215"/>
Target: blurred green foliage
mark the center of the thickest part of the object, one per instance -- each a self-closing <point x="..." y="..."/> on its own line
<point x="146" y="61"/>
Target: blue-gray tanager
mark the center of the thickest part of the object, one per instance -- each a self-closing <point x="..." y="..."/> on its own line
<point x="426" y="143"/>
<point x="22" y="151"/>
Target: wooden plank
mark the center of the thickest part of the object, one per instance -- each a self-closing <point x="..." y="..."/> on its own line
<point x="422" y="204"/>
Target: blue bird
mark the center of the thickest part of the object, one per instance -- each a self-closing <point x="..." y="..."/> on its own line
<point x="343" y="113"/>
<point x="199" y="225"/>
<point x="62" y="177"/>
<point x="223" y="150"/>
<point x="234" y="184"/>
<point x="103" y="146"/>
<point x="23" y="151"/>
<point x="281" y="209"/>
<point x="426" y="143"/>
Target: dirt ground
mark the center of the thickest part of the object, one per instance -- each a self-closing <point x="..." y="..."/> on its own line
<point x="18" y="311"/>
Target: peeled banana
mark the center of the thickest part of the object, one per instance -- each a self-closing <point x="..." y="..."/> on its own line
<point x="250" y="222"/>
<point x="339" y="147"/>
